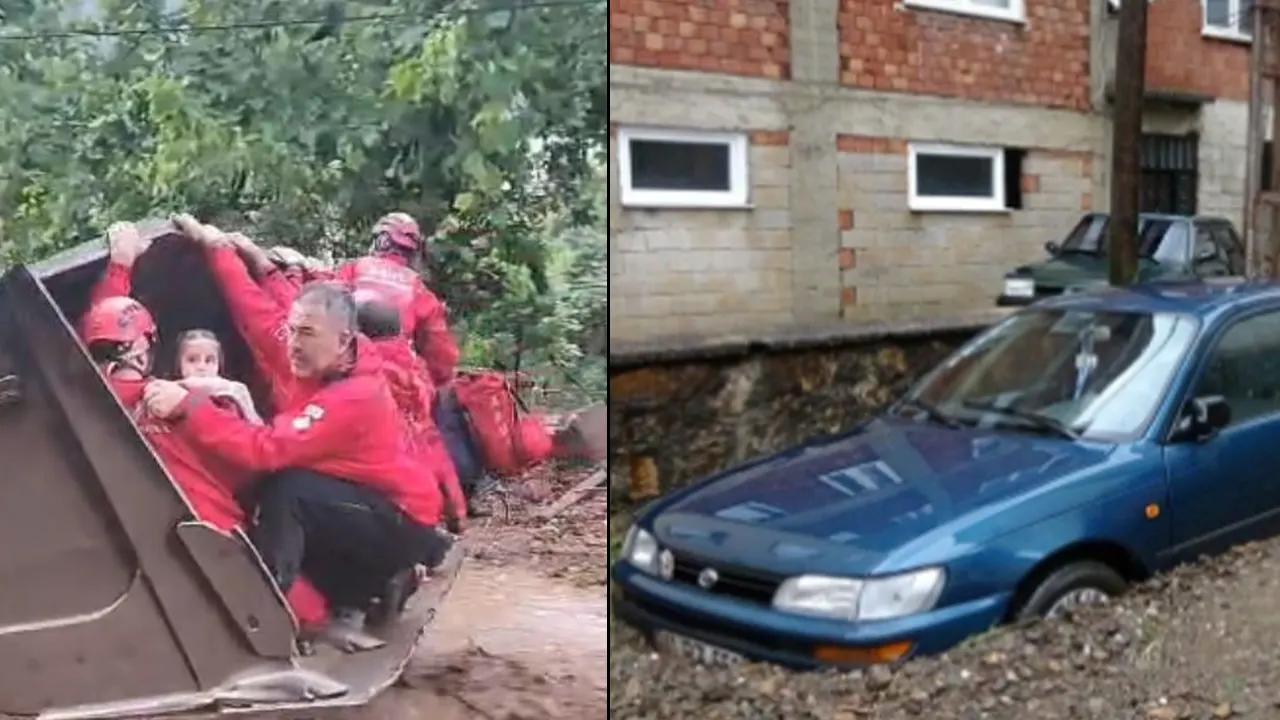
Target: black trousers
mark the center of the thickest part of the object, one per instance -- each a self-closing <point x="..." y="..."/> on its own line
<point x="347" y="539"/>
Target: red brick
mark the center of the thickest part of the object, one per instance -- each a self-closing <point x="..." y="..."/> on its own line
<point x="846" y="223"/>
<point x="743" y="37"/>
<point x="848" y="259"/>
<point x="924" y="52"/>
<point x="849" y="296"/>
<point x="771" y="137"/>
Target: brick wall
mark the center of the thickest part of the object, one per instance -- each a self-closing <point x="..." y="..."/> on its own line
<point x="707" y="272"/>
<point x="897" y="264"/>
<point x="1179" y="58"/>
<point x="737" y="37"/>
<point x="887" y="46"/>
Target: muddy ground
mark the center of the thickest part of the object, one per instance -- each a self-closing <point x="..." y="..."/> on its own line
<point x="1202" y="641"/>
<point x="523" y="633"/>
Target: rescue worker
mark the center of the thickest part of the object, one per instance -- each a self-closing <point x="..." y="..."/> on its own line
<point x="121" y="336"/>
<point x="415" y="397"/>
<point x="344" y="506"/>
<point x="389" y="271"/>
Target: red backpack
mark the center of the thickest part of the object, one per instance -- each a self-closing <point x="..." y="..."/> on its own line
<point x="509" y="440"/>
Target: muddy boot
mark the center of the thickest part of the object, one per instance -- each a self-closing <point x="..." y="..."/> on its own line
<point x="346" y="632"/>
<point x="394" y="597"/>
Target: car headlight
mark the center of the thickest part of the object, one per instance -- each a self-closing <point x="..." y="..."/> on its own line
<point x="900" y="595"/>
<point x="1019" y="287"/>
<point x="819" y="595"/>
<point x="861" y="599"/>
<point x="641" y="549"/>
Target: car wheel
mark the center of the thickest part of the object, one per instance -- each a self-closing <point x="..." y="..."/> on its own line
<point x="1074" y="585"/>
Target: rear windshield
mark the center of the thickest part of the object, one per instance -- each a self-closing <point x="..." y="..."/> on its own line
<point x="1159" y="239"/>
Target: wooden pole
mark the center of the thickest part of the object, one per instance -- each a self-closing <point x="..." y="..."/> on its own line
<point x="1131" y="52"/>
<point x="1255" y="144"/>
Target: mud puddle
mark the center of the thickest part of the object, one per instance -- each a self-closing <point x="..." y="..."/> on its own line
<point x="508" y="644"/>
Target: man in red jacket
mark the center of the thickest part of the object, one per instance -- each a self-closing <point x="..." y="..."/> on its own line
<point x="388" y="270"/>
<point x="344" y="506"/>
<point x="121" y="337"/>
<point x="415" y="397"/>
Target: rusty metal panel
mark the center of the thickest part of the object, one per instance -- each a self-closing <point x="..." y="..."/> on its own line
<point x="236" y="573"/>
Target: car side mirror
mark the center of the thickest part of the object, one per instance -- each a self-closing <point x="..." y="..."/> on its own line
<point x="1052" y="247"/>
<point x="1203" y="418"/>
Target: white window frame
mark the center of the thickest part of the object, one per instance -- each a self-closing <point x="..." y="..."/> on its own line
<point x="739" y="187"/>
<point x="1224" y="33"/>
<point x="1017" y="11"/>
<point x="938" y="203"/>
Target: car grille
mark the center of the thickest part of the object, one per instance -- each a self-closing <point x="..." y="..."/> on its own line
<point x="752" y="586"/>
<point x="1042" y="291"/>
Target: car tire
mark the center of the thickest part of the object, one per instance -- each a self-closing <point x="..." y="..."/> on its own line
<point x="1073" y="577"/>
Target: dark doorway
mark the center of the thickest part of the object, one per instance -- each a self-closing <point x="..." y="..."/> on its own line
<point x="1170" y="173"/>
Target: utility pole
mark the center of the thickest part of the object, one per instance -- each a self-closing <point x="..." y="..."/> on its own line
<point x="1131" y="54"/>
<point x="1262" y="209"/>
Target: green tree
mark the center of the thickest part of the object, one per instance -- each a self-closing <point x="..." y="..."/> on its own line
<point x="486" y="120"/>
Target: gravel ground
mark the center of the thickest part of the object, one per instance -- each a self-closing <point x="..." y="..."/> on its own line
<point x="571" y="546"/>
<point x="1197" y="642"/>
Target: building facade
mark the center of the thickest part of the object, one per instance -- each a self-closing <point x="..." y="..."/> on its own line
<point x="778" y="164"/>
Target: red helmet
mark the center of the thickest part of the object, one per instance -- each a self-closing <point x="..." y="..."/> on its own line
<point x="400" y="230"/>
<point x="120" y="320"/>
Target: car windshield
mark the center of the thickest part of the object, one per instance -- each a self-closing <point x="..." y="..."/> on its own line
<point x="1160" y="239"/>
<point x="1068" y="373"/>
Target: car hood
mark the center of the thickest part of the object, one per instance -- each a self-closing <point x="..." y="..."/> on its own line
<point x="1071" y="269"/>
<point x="845" y="504"/>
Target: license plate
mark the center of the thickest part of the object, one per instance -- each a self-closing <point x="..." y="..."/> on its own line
<point x="696" y="650"/>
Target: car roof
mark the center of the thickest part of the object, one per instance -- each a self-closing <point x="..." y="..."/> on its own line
<point x="1167" y="216"/>
<point x="1202" y="298"/>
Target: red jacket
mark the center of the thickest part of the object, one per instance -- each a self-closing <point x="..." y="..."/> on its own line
<point x="207" y="483"/>
<point x="208" y="487"/>
<point x="423" y="318"/>
<point x="415" y="396"/>
<point x="348" y="428"/>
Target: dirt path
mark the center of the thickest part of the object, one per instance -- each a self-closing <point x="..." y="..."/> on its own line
<point x="1200" y="642"/>
<point x="523" y="634"/>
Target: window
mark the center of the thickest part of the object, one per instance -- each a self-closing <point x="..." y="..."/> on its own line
<point x="998" y="9"/>
<point x="1232" y="19"/>
<point x="1245" y="368"/>
<point x="1231" y="247"/>
<point x="1101" y="373"/>
<point x="956" y="178"/>
<point x="679" y="168"/>
<point x="1170" y="173"/>
<point x="1205" y="250"/>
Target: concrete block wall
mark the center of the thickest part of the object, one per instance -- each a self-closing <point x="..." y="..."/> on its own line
<point x="706" y="272"/>
<point x="1224" y="159"/>
<point x="898" y="264"/>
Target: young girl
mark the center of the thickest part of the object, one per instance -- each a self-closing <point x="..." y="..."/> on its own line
<point x="200" y="361"/>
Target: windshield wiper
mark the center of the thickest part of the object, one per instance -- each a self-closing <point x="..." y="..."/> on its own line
<point x="1044" y="422"/>
<point x="931" y="412"/>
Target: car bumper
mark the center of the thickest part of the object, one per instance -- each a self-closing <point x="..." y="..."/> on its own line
<point x="1011" y="301"/>
<point x="762" y="633"/>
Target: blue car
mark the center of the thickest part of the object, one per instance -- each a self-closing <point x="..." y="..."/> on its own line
<point x="1068" y="451"/>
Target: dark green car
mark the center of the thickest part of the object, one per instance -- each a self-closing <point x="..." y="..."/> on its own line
<point x="1170" y="247"/>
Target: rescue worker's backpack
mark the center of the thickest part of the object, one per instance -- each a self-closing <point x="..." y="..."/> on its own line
<point x="508" y="441"/>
